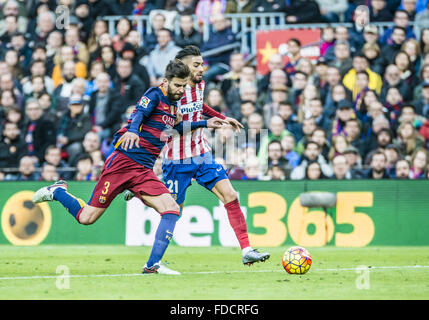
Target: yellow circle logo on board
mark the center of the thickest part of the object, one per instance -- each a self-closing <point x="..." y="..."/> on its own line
<point x="24" y="222"/>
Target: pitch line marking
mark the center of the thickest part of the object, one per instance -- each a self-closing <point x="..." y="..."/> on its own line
<point x="203" y="272"/>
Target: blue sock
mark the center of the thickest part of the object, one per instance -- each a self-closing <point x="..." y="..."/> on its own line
<point x="70" y="202"/>
<point x="163" y="235"/>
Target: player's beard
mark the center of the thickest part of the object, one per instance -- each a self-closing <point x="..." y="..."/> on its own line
<point x="196" y="80"/>
<point x="173" y="96"/>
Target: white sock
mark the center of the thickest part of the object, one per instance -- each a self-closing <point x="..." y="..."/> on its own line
<point x="244" y="251"/>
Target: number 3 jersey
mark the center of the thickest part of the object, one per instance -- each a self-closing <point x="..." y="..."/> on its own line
<point x="193" y="108"/>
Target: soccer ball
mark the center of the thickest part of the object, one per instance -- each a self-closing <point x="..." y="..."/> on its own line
<point x="296" y="260"/>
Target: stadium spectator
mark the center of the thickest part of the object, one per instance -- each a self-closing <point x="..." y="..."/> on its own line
<point x="265" y="6"/>
<point x="220" y="36"/>
<point x="80" y="51"/>
<point x="128" y="85"/>
<point x="316" y="112"/>
<point x="419" y="162"/>
<point x="27" y="171"/>
<point x="231" y="80"/>
<point x="344" y="113"/>
<point x="53" y="157"/>
<point x="183" y="7"/>
<point x="123" y="27"/>
<point x="339" y="144"/>
<point x="421" y="21"/>
<point x="341" y="57"/>
<point x="39" y="132"/>
<point x="255" y="124"/>
<point x="308" y="126"/>
<point x="422" y="104"/>
<point x="353" y="158"/>
<point x="379" y="11"/>
<point x="11" y="8"/>
<point x="247" y="108"/>
<point x="252" y="170"/>
<point x="288" y="146"/>
<point x="275" y="62"/>
<point x="119" y="7"/>
<point x="393" y="155"/>
<point x="157" y="23"/>
<point x="303" y="11"/>
<point x="408" y="139"/>
<point x="187" y="35"/>
<point x="313" y="171"/>
<point x="392" y="78"/>
<point x="293" y="56"/>
<point x="332" y="10"/>
<point x="352" y="131"/>
<point x="58" y="73"/>
<point x="276" y="173"/>
<point x="328" y="39"/>
<point x="287" y="113"/>
<point x="84" y="168"/>
<point x="360" y="63"/>
<point x="98" y="28"/>
<point x="206" y="10"/>
<point x="105" y="107"/>
<point x="377" y="168"/>
<point x="340" y="168"/>
<point x="275" y="156"/>
<point x="160" y="56"/>
<point x="384" y="138"/>
<point x="373" y="54"/>
<point x="45" y="25"/>
<point x="49" y="173"/>
<point x="8" y="83"/>
<point x="12" y="146"/>
<point x="311" y="153"/>
<point x="72" y="127"/>
<point x="401" y="20"/>
<point x="319" y="136"/>
<point x="412" y="48"/>
<point x="129" y="52"/>
<point x="402" y="169"/>
<point x="277" y="131"/>
<point x="278" y="94"/>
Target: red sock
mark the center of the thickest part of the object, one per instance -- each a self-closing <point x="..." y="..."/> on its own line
<point x="238" y="223"/>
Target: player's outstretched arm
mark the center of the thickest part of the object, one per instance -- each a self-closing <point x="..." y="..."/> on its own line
<point x="187" y="126"/>
<point x="210" y="113"/>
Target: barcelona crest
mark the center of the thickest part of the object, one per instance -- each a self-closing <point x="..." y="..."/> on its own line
<point x="102" y="199"/>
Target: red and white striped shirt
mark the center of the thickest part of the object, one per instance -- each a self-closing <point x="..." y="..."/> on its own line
<point x="193" y="108"/>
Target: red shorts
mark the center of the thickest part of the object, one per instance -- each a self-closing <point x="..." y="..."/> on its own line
<point x="121" y="173"/>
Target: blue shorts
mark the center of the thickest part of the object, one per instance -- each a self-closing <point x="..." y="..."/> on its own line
<point x="179" y="173"/>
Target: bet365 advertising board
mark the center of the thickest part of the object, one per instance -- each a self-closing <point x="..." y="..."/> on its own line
<point x="366" y="213"/>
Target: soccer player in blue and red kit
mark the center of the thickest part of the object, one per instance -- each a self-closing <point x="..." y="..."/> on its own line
<point x="130" y="166"/>
<point x="189" y="156"/>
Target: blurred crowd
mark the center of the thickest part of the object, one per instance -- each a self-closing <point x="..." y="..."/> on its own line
<point x="361" y="110"/>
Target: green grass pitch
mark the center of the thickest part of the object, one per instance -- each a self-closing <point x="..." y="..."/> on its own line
<point x="112" y="272"/>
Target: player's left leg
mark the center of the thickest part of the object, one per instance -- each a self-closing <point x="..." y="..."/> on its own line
<point x="224" y="190"/>
<point x="213" y="177"/>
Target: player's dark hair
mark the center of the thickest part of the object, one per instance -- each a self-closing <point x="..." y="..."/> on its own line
<point x="177" y="69"/>
<point x="188" y="51"/>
